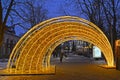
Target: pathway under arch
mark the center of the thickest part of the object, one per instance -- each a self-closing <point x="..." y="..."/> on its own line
<point x="32" y="53"/>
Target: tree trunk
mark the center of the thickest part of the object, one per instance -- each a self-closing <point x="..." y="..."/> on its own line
<point x="1" y="27"/>
<point x="114" y="25"/>
<point x="3" y="23"/>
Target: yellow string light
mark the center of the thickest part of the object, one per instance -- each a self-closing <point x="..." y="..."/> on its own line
<point x="32" y="53"/>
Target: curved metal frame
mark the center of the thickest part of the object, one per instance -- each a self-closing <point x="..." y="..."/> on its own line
<point x="32" y="53"/>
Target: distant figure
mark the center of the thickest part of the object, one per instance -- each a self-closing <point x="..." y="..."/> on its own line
<point x="55" y="53"/>
<point x="61" y="55"/>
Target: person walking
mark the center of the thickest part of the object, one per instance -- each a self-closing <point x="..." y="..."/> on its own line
<point x="61" y="55"/>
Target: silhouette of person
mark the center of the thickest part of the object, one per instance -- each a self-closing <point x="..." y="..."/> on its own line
<point x="61" y="55"/>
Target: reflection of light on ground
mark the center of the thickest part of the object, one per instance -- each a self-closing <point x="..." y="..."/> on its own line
<point x="45" y="70"/>
<point x="76" y="71"/>
<point x="74" y="68"/>
<point x="108" y="67"/>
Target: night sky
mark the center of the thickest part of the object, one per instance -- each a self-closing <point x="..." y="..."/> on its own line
<point x="56" y="8"/>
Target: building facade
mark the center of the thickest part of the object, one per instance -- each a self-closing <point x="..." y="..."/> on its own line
<point x="9" y="41"/>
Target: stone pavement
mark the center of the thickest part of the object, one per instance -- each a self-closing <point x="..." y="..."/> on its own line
<point x="73" y="68"/>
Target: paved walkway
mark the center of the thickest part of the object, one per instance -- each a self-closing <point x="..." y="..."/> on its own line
<point x="74" y="68"/>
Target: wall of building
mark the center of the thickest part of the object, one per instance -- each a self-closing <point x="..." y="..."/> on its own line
<point x="9" y="41"/>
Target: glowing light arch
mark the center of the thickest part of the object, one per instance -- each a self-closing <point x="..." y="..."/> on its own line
<point x="31" y="54"/>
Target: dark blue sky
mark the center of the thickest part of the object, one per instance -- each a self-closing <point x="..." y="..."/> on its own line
<point x="55" y="8"/>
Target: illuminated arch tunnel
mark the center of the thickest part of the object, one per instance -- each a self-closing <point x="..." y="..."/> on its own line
<point x="32" y="53"/>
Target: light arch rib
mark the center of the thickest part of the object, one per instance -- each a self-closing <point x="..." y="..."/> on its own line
<point x="38" y="43"/>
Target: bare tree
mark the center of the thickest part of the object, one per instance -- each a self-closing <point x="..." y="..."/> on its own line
<point x="3" y="22"/>
<point x="111" y="8"/>
<point x="19" y="13"/>
<point x="29" y="13"/>
<point x="103" y="13"/>
<point x="92" y="9"/>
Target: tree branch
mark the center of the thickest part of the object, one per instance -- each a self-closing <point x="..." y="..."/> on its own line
<point x="8" y="12"/>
